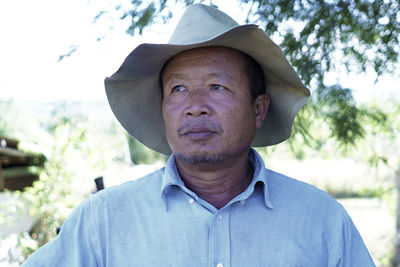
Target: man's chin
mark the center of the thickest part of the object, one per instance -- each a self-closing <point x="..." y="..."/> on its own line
<point x="204" y="158"/>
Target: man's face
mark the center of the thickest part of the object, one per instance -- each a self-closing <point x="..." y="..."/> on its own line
<point x="207" y="107"/>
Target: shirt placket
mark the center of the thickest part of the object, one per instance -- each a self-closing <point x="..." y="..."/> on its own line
<point x="219" y="239"/>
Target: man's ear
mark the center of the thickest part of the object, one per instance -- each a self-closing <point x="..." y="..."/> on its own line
<point x="261" y="109"/>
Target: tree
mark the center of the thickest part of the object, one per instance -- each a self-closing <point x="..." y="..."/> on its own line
<point x="318" y="37"/>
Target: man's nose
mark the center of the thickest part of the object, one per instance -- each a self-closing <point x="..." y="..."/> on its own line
<point x="198" y="105"/>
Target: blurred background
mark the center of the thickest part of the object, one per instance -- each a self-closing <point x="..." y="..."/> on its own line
<point x="57" y="132"/>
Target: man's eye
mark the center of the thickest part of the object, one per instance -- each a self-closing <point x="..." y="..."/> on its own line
<point x="179" y="88"/>
<point x="217" y="87"/>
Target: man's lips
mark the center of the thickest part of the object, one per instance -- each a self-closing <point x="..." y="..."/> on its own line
<point x="198" y="131"/>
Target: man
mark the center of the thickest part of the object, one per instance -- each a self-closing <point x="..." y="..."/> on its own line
<point x="216" y="89"/>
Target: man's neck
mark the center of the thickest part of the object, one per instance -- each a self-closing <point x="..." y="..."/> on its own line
<point x="217" y="183"/>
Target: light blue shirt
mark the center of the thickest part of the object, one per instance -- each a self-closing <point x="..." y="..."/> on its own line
<point x="157" y="221"/>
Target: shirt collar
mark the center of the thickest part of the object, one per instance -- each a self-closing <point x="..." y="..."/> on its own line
<point x="172" y="179"/>
<point x="260" y="176"/>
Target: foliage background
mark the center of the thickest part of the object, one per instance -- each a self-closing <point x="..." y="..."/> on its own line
<point x="321" y="39"/>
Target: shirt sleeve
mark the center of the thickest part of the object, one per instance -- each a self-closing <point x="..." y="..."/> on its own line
<point x="74" y="246"/>
<point x="354" y="251"/>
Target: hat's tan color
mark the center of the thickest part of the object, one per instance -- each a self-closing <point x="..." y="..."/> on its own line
<point x="134" y="92"/>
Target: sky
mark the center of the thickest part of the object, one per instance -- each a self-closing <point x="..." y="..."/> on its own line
<point x="34" y="34"/>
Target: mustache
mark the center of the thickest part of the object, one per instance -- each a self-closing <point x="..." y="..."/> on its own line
<point x="202" y="125"/>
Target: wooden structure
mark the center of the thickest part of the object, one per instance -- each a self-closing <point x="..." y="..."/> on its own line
<point x="15" y="173"/>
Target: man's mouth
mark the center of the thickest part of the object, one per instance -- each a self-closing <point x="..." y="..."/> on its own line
<point x="197" y="131"/>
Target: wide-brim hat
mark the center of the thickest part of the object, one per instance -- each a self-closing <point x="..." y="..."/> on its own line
<point x="134" y="91"/>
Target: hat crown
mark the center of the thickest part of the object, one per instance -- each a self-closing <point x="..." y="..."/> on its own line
<point x="200" y="23"/>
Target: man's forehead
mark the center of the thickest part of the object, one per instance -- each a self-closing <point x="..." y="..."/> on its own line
<point x="209" y="57"/>
<point x="175" y="75"/>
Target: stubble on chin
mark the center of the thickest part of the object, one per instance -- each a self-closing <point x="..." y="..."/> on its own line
<point x="201" y="159"/>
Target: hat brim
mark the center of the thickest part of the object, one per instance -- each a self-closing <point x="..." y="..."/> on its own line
<point x="134" y="93"/>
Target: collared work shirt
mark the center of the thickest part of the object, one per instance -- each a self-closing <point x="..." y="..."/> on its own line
<point x="157" y="221"/>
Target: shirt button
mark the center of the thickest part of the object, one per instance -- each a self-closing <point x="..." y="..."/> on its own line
<point x="191" y="201"/>
<point x="219" y="218"/>
<point x="220" y="265"/>
<point x="242" y="201"/>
